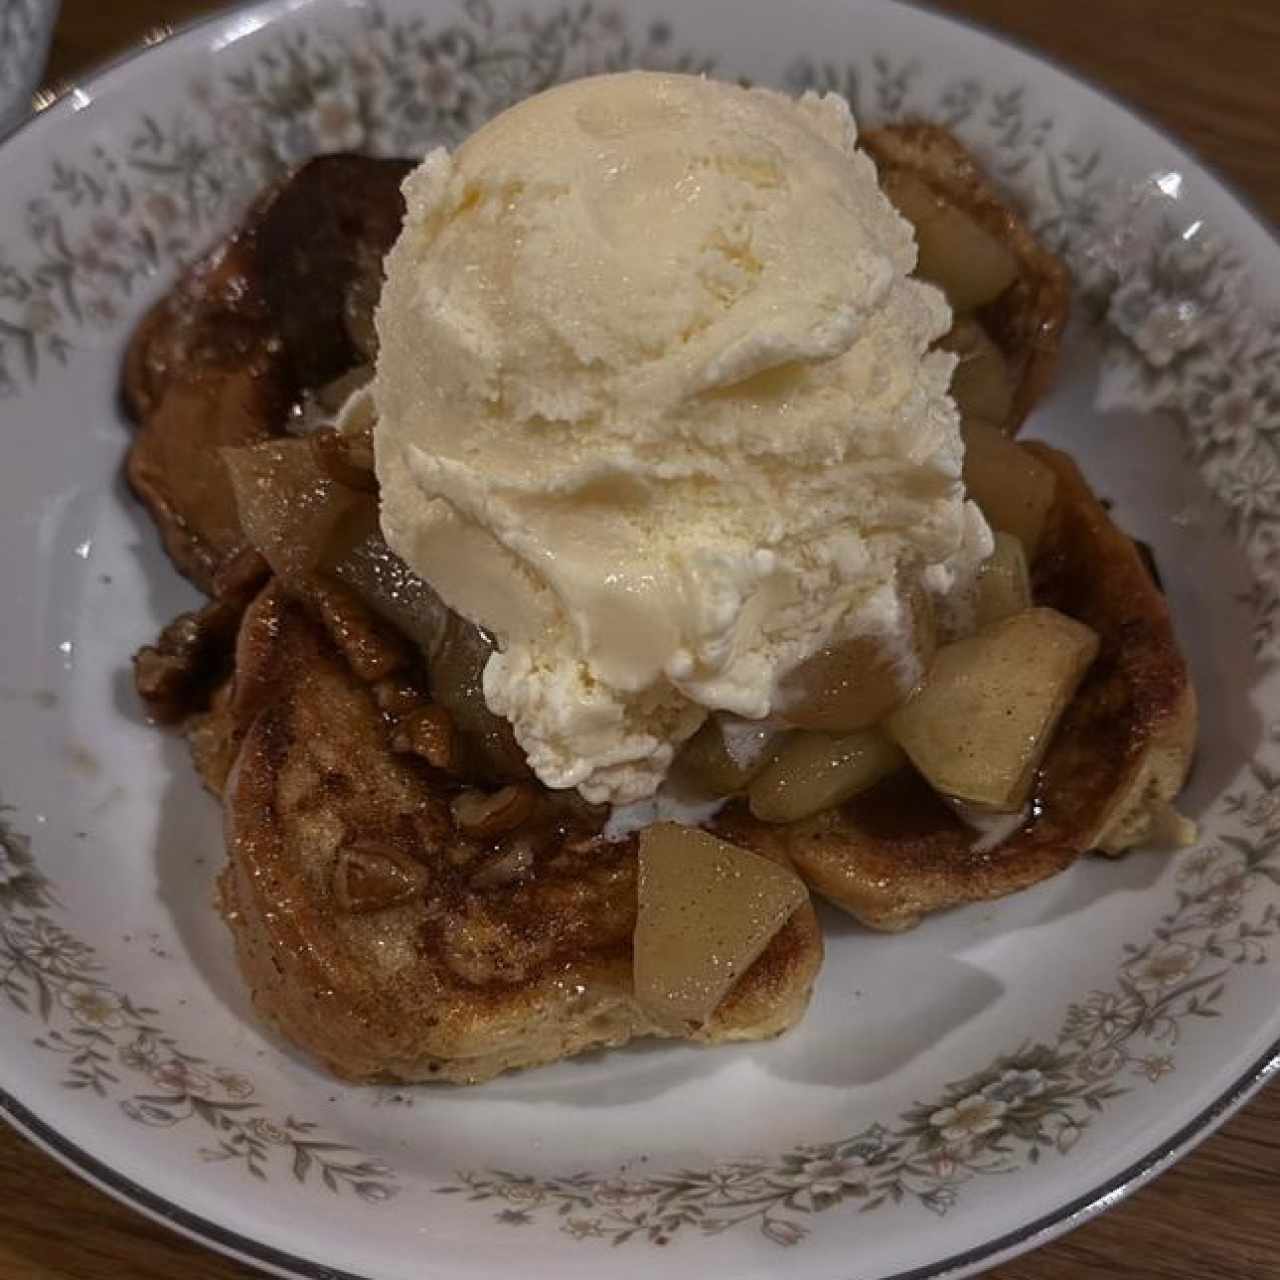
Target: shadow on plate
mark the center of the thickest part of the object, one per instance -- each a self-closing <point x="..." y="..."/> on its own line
<point x="868" y="1023"/>
<point x="917" y="996"/>
<point x="189" y="849"/>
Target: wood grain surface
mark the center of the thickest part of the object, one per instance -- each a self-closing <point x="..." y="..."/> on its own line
<point x="1207" y="71"/>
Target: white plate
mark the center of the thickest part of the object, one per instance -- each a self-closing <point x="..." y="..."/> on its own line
<point x="955" y="1094"/>
<point x="26" y="28"/>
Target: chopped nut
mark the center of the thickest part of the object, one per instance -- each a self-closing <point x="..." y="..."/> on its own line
<point x="433" y="825"/>
<point x="483" y="815"/>
<point x="372" y="877"/>
<point x="176" y="675"/>
<point x="512" y="864"/>
<point x="372" y="651"/>
<point x="397" y="696"/>
<point x="428" y="732"/>
<point x="347" y="459"/>
<point x="241" y="575"/>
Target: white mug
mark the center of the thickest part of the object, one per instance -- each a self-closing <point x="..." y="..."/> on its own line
<point x="26" y="28"/>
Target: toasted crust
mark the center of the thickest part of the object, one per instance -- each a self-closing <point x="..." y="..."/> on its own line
<point x="202" y="371"/>
<point x="1026" y="322"/>
<point x="1119" y="756"/>
<point x="454" y="983"/>
<point x="219" y="360"/>
<point x="1115" y="593"/>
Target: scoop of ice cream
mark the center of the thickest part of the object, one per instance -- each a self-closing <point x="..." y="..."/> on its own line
<point x="656" y="407"/>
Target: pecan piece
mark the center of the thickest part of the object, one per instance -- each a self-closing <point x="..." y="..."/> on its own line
<point x="176" y="675"/>
<point x="371" y="877"/>
<point x="512" y="865"/>
<point x="397" y="696"/>
<point x="371" y="649"/>
<point x="192" y="655"/>
<point x="428" y="732"/>
<point x="484" y="815"/>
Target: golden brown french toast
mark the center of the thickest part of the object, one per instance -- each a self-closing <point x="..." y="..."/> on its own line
<point x="1027" y="320"/>
<point x="276" y="310"/>
<point x="389" y="942"/>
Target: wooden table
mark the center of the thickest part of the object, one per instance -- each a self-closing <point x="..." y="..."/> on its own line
<point x="1208" y="72"/>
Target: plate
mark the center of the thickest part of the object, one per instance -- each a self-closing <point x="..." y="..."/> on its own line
<point x="957" y="1093"/>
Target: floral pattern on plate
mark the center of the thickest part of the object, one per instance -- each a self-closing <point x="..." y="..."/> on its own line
<point x="1167" y="299"/>
<point x="110" y="220"/>
<point x="105" y="1040"/>
<point x="1036" y="1100"/>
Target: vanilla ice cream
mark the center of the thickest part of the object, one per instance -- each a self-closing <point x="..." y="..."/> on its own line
<point x="656" y="408"/>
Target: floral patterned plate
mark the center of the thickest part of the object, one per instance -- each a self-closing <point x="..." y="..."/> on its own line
<point x="956" y="1094"/>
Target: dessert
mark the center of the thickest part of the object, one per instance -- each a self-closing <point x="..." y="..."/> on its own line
<point x="910" y="712"/>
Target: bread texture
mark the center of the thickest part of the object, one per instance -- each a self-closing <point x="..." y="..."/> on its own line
<point x="467" y="974"/>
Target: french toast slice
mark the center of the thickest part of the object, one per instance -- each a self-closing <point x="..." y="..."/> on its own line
<point x="1117" y="759"/>
<point x="1028" y="320"/>
<point x="376" y="937"/>
<point x="274" y="311"/>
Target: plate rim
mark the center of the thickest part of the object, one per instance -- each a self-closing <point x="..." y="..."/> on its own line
<point x="1050" y="1225"/>
<point x="1039" y="1232"/>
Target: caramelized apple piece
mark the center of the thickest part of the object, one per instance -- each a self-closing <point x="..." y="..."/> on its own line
<point x="706" y="911"/>
<point x="857" y="683"/>
<point x="725" y="754"/>
<point x="816" y="771"/>
<point x="456" y="652"/>
<point x="361" y="299"/>
<point x="302" y="519"/>
<point x="978" y="727"/>
<point x="291" y="507"/>
<point x="392" y="590"/>
<point x="1012" y="486"/>
<point x="962" y="258"/>
<point x="1004" y="585"/>
<point x="455" y="670"/>
<point x="981" y="385"/>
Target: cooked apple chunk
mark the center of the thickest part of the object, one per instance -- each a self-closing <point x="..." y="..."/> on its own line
<point x="811" y="772"/>
<point x="1012" y="486"/>
<point x="978" y="727"/>
<point x="963" y="259"/>
<point x="981" y="385"/>
<point x="706" y="911"/>
<point x="858" y="682"/>
<point x="1004" y="585"/>
<point x="723" y="758"/>
<point x="291" y="506"/>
